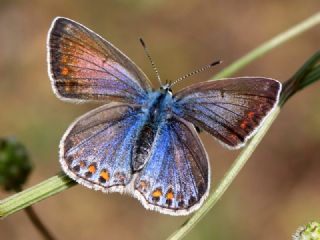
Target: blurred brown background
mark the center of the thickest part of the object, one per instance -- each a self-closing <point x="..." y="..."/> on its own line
<point x="278" y="189"/>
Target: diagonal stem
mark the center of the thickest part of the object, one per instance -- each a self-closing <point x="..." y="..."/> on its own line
<point x="35" y="194"/>
<point x="269" y="45"/>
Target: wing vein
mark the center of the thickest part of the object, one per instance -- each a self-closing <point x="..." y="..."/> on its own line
<point x="85" y="47"/>
<point x="182" y="145"/>
<point x="191" y="153"/>
<point x="106" y="71"/>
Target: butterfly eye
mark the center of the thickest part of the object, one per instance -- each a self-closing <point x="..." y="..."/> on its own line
<point x="166" y="89"/>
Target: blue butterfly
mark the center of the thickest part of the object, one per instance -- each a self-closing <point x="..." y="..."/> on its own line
<point x="143" y="141"/>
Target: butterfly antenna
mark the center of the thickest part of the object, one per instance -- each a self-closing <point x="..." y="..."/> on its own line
<point x="195" y="72"/>
<point x="151" y="61"/>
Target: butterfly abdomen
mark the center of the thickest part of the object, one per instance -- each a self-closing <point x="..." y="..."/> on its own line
<point x="156" y="112"/>
<point x="143" y="146"/>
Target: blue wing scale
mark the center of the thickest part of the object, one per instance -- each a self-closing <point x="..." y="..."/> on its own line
<point x="176" y="178"/>
<point x="96" y="149"/>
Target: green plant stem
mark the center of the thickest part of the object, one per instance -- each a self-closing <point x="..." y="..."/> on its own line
<point x="269" y="45"/>
<point x="35" y="194"/>
<point x="61" y="182"/>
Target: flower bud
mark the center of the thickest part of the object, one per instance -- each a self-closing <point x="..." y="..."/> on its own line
<point x="15" y="165"/>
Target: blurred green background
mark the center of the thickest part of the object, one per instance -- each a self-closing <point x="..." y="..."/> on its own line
<point x="278" y="189"/>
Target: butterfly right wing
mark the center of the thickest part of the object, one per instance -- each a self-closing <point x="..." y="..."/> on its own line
<point x="84" y="66"/>
<point x="176" y="178"/>
<point x="96" y="149"/>
<point x="230" y="109"/>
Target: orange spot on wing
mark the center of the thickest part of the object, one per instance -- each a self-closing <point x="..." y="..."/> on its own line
<point x="169" y="195"/>
<point x="157" y="193"/>
<point x="105" y="175"/>
<point x="243" y="125"/>
<point x="251" y="115"/>
<point x="64" y="71"/>
<point x="92" y="169"/>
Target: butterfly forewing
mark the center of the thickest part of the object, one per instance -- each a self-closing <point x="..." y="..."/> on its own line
<point x="176" y="178"/>
<point x="229" y="109"/>
<point x="96" y="149"/>
<point x="84" y="66"/>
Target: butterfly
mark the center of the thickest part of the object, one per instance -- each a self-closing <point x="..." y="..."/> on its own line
<point x="143" y="141"/>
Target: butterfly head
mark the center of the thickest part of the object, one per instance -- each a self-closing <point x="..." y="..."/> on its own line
<point x="166" y="89"/>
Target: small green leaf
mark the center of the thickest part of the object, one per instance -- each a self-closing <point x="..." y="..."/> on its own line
<point x="306" y="75"/>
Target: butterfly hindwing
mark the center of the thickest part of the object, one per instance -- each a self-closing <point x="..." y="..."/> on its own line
<point x="96" y="149"/>
<point x="230" y="109"/>
<point x="175" y="179"/>
<point x="84" y="66"/>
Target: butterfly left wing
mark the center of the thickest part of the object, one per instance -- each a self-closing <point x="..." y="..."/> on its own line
<point x="84" y="66"/>
<point x="230" y="109"/>
<point x="96" y="150"/>
<point x="176" y="178"/>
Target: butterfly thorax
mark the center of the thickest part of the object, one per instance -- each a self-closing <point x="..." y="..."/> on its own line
<point x="159" y="105"/>
<point x="157" y="111"/>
